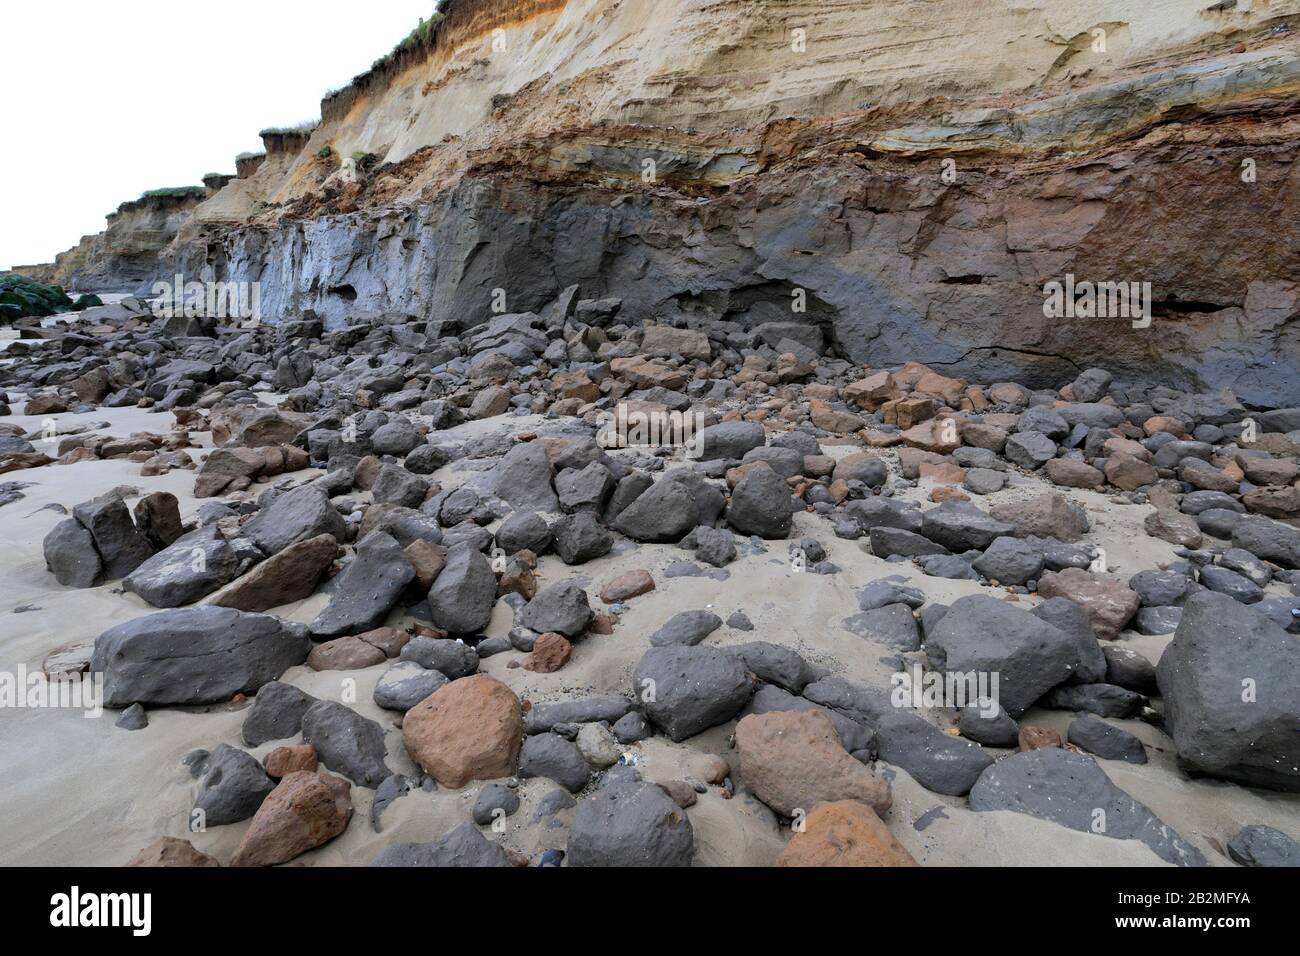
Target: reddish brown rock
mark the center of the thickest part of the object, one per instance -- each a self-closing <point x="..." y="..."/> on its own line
<point x="832" y="420"/>
<point x="1110" y="602"/>
<point x="283" y="761"/>
<point x="1128" y="473"/>
<point x="345" y="654"/>
<point x="871" y="392"/>
<point x="1173" y="526"/>
<point x="305" y="811"/>
<point x="942" y="435"/>
<point x="172" y="853"/>
<point x="291" y="575"/>
<point x="951" y="390"/>
<point x="427" y="559"/>
<point x="390" y="640"/>
<point x="908" y="412"/>
<point x="1036" y="738"/>
<point x="1071" y="473"/>
<point x="944" y="472"/>
<point x="844" y="833"/>
<point x="793" y="760"/>
<point x="630" y="585"/>
<point x="550" y="653"/>
<point x="471" y="729"/>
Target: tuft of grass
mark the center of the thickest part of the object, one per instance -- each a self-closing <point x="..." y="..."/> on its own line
<point x="325" y="152"/>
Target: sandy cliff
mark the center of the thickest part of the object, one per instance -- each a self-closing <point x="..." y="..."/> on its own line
<point x="920" y="168"/>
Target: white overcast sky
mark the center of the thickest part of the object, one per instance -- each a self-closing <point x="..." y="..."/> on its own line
<point x="104" y="99"/>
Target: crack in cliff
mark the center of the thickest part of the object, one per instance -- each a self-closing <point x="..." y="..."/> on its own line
<point x="1005" y="348"/>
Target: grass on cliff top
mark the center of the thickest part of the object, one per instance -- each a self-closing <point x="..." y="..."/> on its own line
<point x="175" y="192"/>
<point x="302" y="129"/>
<point x="418" y="37"/>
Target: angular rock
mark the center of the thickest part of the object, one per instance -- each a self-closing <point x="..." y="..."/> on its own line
<point x="1072" y="790"/>
<point x="294" y="516"/>
<point x="472" y="729"/>
<point x="845" y="833"/>
<point x="1094" y="735"/>
<point x="1230" y="679"/>
<point x="760" y="504"/>
<point x="192" y="567"/>
<point x="305" y="811"/>
<point x="561" y="608"/>
<point x="368" y="588"/>
<point x="630" y="824"/>
<point x="276" y="714"/>
<point x="793" y="760"/>
<point x="462" y="598"/>
<point x="199" y="655"/>
<point x="687" y="690"/>
<point x="1109" y="602"/>
<point x="291" y="575"/>
<point x="347" y="742"/>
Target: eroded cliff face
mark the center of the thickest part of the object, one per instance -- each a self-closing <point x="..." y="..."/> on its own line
<point x="132" y="252"/>
<point x="920" y="169"/>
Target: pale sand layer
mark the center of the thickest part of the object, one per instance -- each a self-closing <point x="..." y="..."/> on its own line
<point x="79" y="791"/>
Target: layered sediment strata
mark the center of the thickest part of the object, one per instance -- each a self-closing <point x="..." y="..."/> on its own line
<point x="702" y="160"/>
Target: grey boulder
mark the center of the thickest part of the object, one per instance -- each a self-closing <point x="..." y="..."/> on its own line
<point x="199" y="655"/>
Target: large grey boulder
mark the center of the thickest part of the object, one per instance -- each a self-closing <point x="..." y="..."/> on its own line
<point x="192" y="567"/>
<point x="524" y="530"/>
<point x="983" y="635"/>
<point x="761" y="504"/>
<point x="686" y="690"/>
<point x="1072" y="790"/>
<point x="464" y="847"/>
<point x="524" y="477"/>
<point x="663" y="513"/>
<point x="200" y="655"/>
<point x="1230" y="679"/>
<point x="938" y="762"/>
<point x="71" y="557"/>
<point x="776" y="664"/>
<point x="630" y="824"/>
<point x="232" y="785"/>
<point x="730" y="440"/>
<point x="552" y="756"/>
<point x="961" y="527"/>
<point x="346" y="742"/>
<point x="276" y="713"/>
<point x="368" y="588"/>
<point x="1259" y="845"/>
<point x="1010" y="561"/>
<point x="1069" y="617"/>
<point x="295" y="516"/>
<point x="462" y="598"/>
<point x="1268" y="539"/>
<point x="121" y="546"/>
<point x="406" y="684"/>
<point x="397" y="486"/>
<point x="560" y="608"/>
